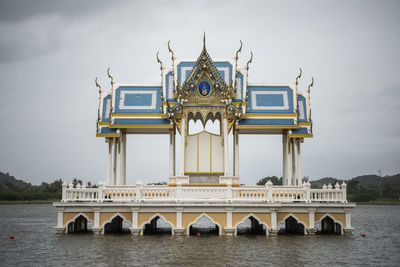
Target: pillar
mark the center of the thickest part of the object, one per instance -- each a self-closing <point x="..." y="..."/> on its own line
<point x="236" y="152"/>
<point x="274" y="223"/>
<point x="285" y="158"/>
<point x="183" y="141"/>
<point x="135" y="230"/>
<point x="60" y="221"/>
<point x="178" y="230"/>
<point x="172" y="152"/>
<point x="114" y="181"/>
<point x="311" y="221"/>
<point x="118" y="165"/>
<point x="226" y="155"/>
<point x="299" y="174"/>
<point x="293" y="165"/>
<point x="229" y="230"/>
<point x="348" y="227"/>
<point x="110" y="167"/>
<point x="96" y="224"/>
<point x="123" y="158"/>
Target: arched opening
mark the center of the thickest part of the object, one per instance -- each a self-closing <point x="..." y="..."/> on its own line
<point x="205" y="226"/>
<point x="328" y="226"/>
<point x="157" y="226"/>
<point x="80" y="225"/>
<point x="251" y="226"/>
<point x="116" y="226"/>
<point x="292" y="227"/>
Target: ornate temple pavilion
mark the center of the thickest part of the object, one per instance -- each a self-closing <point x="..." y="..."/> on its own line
<point x="204" y="100"/>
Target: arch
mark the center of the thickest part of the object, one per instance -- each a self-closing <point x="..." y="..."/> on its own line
<point x="207" y="216"/>
<point x="73" y="220"/>
<point x="110" y="221"/>
<point x="297" y="219"/>
<point x="152" y="218"/>
<point x="327" y="215"/>
<point x="248" y="217"/>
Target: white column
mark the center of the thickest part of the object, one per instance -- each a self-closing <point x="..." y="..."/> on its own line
<point x="183" y="137"/>
<point x="236" y="152"/>
<point x="274" y="225"/>
<point x="285" y="154"/>
<point x="60" y="217"/>
<point x="114" y="181"/>
<point x="119" y="161"/>
<point x="293" y="174"/>
<point x="109" y="169"/>
<point x="299" y="174"/>
<point x="226" y="152"/>
<point x="172" y="152"/>
<point x="311" y="217"/>
<point x="348" y="218"/>
<point x="135" y="230"/>
<point x="123" y="159"/>
<point x="179" y="218"/>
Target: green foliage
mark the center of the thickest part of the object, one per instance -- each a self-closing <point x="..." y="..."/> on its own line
<point x="275" y="180"/>
<point x="45" y="191"/>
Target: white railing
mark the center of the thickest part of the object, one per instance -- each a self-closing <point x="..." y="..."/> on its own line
<point x="182" y="193"/>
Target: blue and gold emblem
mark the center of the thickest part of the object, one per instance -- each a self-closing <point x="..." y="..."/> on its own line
<point x="204" y="89"/>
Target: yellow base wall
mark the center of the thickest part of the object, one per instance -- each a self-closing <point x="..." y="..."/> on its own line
<point x="67" y="216"/>
<point x="144" y="217"/>
<point x="263" y="217"/>
<point x="341" y="217"/>
<point x="106" y="216"/>
<point x="303" y="217"/>
<point x="190" y="217"/>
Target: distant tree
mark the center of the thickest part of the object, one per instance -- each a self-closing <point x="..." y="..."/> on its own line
<point x="89" y="184"/>
<point x="74" y="182"/>
<point x="275" y="180"/>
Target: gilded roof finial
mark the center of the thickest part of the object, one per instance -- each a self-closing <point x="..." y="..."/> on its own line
<point x="238" y="51"/>
<point x="204" y="40"/>
<point x="248" y="62"/>
<point x="170" y="50"/>
<point x="109" y="76"/>
<point x="98" y="85"/>
<point x="159" y="61"/>
<point x="298" y="77"/>
<point x="311" y="85"/>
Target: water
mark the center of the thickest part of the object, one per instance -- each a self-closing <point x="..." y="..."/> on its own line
<point x="37" y="244"/>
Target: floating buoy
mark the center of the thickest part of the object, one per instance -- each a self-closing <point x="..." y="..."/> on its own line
<point x="11" y="237"/>
<point x="363" y="235"/>
<point x="198" y="234"/>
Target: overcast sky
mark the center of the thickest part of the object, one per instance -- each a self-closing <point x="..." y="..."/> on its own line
<point x="51" y="51"/>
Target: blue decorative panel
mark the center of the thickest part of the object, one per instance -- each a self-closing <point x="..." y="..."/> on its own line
<point x="169" y="83"/>
<point x="105" y="113"/>
<point x="107" y="130"/>
<point x="239" y="87"/>
<point x="301" y="105"/>
<point x="301" y="130"/>
<point x="141" y="121"/>
<point x="224" y="68"/>
<point x="267" y="122"/>
<point x="138" y="99"/>
<point x="270" y="99"/>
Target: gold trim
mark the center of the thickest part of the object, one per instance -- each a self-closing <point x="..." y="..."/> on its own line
<point x="240" y="103"/>
<point x="308" y="123"/>
<point x="170" y="103"/>
<point x="204" y="184"/>
<point x="270" y="115"/>
<point x="102" y="123"/>
<point x="267" y="127"/>
<point x="144" y="126"/>
<point x="211" y="153"/>
<point x="198" y="152"/>
<point x="107" y="135"/>
<point x="301" y="135"/>
<point x="188" y="173"/>
<point x="136" y="115"/>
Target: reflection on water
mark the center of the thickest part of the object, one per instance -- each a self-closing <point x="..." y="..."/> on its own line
<point x="37" y="244"/>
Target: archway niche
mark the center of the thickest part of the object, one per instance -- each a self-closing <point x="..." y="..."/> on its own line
<point x="204" y="226"/>
<point x="291" y="227"/>
<point x="116" y="226"/>
<point x="80" y="225"/>
<point x="328" y="226"/>
<point x="157" y="226"/>
<point x="251" y="226"/>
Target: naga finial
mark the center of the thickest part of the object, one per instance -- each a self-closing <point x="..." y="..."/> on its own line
<point x="159" y="61"/>
<point x="311" y="85"/>
<point x="98" y="85"/>
<point x="238" y="51"/>
<point x="170" y="50"/>
<point x="298" y="77"/>
<point x="204" y="40"/>
<point x="109" y="76"/>
<point x="250" y="60"/>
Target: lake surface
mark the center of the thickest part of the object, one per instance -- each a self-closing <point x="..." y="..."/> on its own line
<point x="37" y="244"/>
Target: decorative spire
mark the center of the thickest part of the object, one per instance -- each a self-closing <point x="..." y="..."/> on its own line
<point x="159" y="61"/>
<point x="238" y="51"/>
<point x="98" y="85"/>
<point x="170" y="50"/>
<point x="298" y="77"/>
<point x="204" y="40"/>
<point x="111" y="77"/>
<point x="248" y="62"/>
<point x="311" y="85"/>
